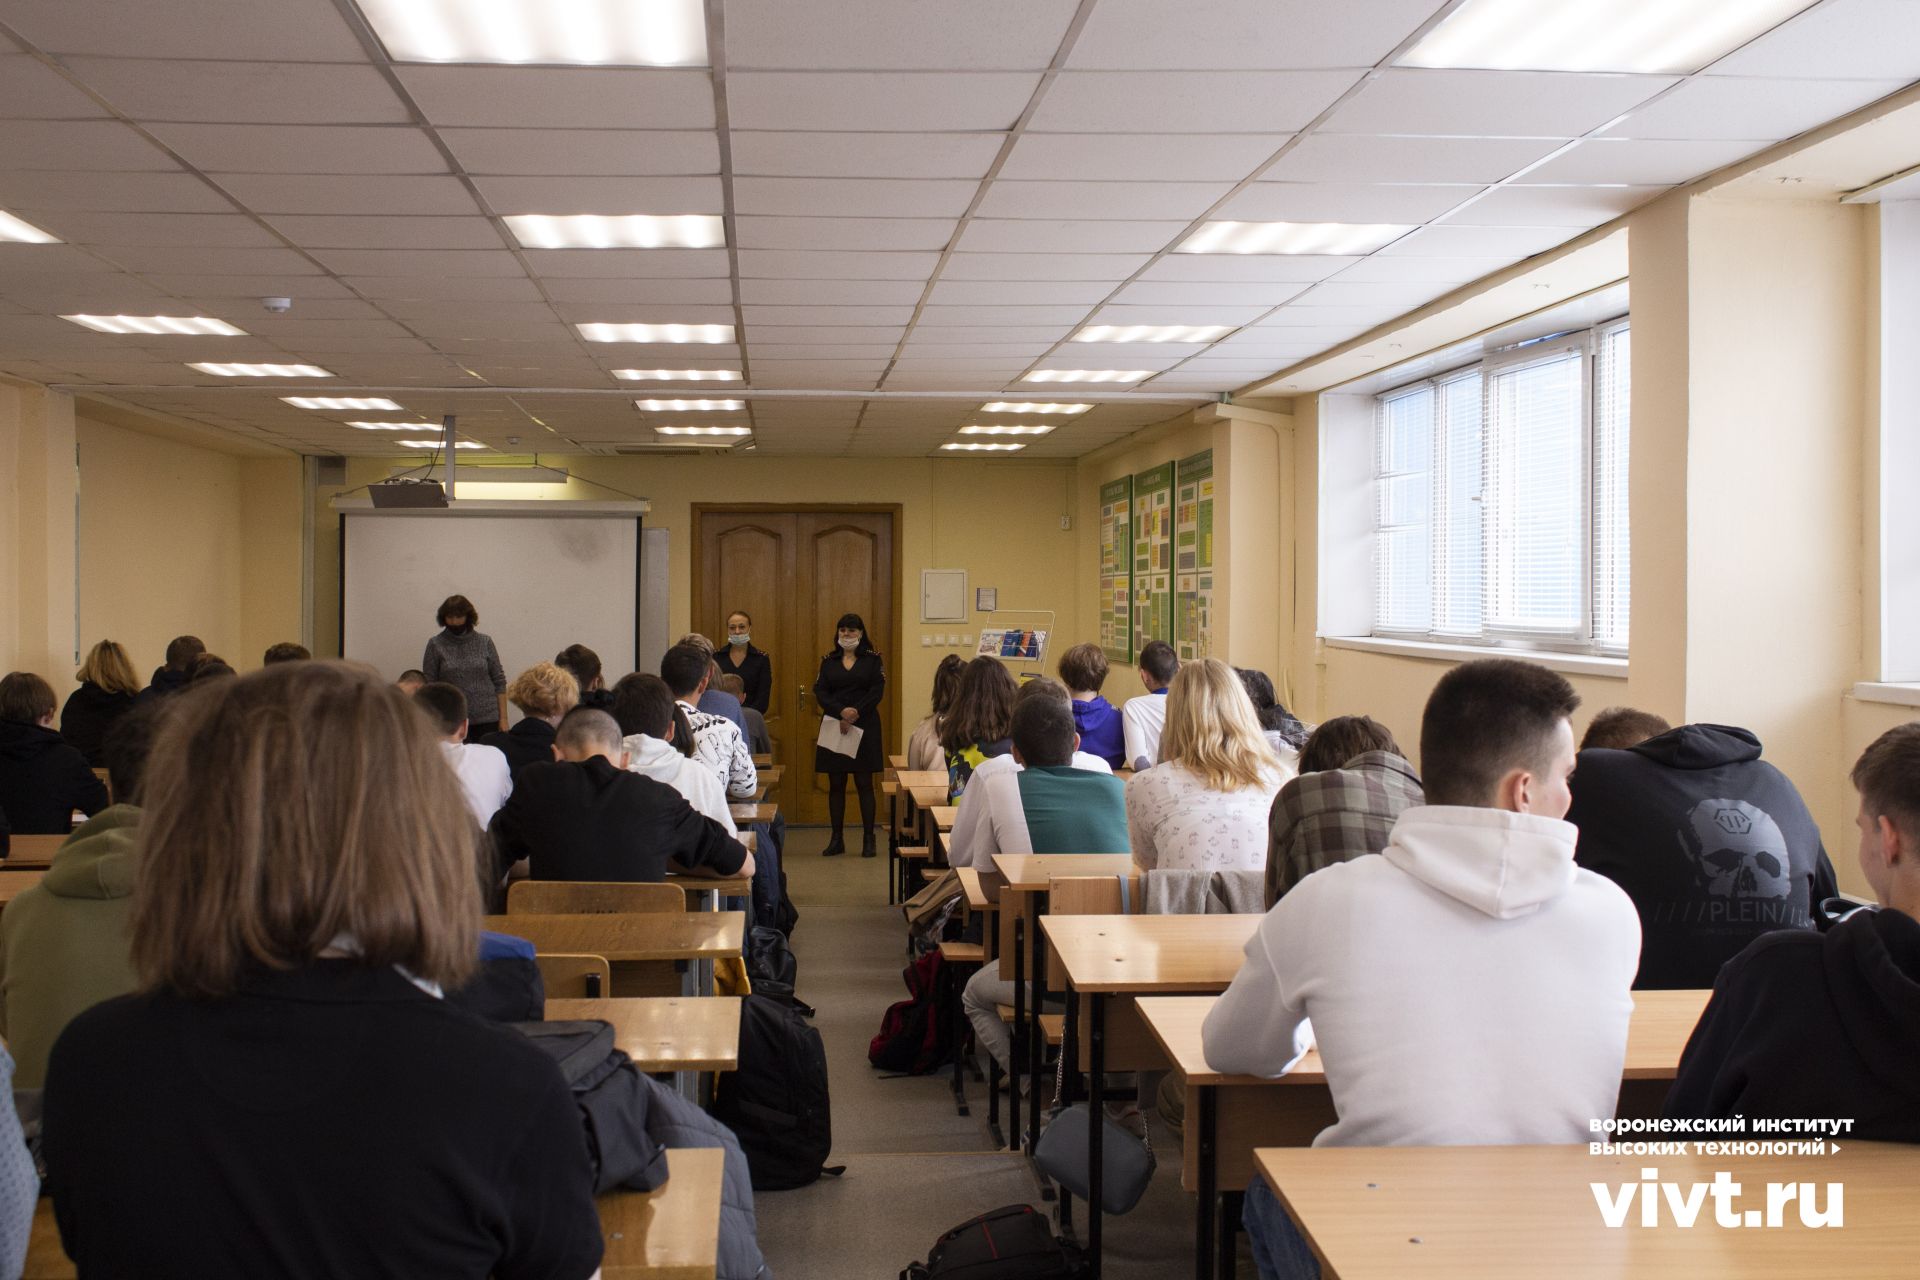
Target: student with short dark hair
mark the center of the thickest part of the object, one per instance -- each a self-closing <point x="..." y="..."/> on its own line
<point x="1142" y="718"/>
<point x="583" y="664"/>
<point x="717" y="743"/>
<point x="411" y="680"/>
<point x="285" y="651"/>
<point x="182" y="652"/>
<point x="42" y="779"/>
<point x="583" y="816"/>
<point x="108" y="690"/>
<point x="210" y="666"/>
<point x="713" y="700"/>
<point x="759" y="742"/>
<point x="1284" y="731"/>
<point x="971" y="843"/>
<point x="651" y="721"/>
<point x="1468" y="986"/>
<point x="485" y="779"/>
<point x="1083" y="669"/>
<point x="1354" y="784"/>
<point x="1813" y="1026"/>
<point x="1618" y="728"/>
<point x="290" y="970"/>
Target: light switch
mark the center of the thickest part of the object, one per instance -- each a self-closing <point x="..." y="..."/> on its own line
<point x="926" y="641"/>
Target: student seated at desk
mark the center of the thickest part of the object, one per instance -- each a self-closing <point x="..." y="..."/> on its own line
<point x="1354" y="783"/>
<point x="108" y="689"/>
<point x="42" y="779"/>
<point x="582" y="816"/>
<point x="484" y="777"/>
<point x="177" y="673"/>
<point x="717" y="743"/>
<point x="653" y="725"/>
<point x="1083" y="670"/>
<point x="979" y="725"/>
<point x="1468" y="986"/>
<point x="287" y="1094"/>
<point x="924" y="754"/>
<point x="759" y="742"/>
<point x="1620" y="728"/>
<point x="544" y="694"/>
<point x="1805" y="1025"/>
<point x="970" y="843"/>
<point x="1283" y="730"/>
<point x="583" y="664"/>
<point x="1143" y="718"/>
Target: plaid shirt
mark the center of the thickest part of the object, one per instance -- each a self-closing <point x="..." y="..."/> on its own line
<point x="1319" y="819"/>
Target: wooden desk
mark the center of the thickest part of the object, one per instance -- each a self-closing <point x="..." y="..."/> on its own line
<point x="25" y="853"/>
<point x="896" y="763"/>
<point x="13" y="883"/>
<point x="942" y="816"/>
<point x="1290" y="1110"/>
<point x="704" y="892"/>
<point x="763" y="760"/>
<point x="690" y="940"/>
<point x="910" y="778"/>
<point x="1518" y="1213"/>
<point x="669" y="1234"/>
<point x="665" y="1033"/>
<point x="747" y="815"/>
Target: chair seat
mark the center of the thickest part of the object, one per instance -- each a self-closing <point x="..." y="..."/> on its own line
<point x="963" y="952"/>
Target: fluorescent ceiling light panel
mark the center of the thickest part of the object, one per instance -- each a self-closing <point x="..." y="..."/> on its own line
<point x="1008" y="429"/>
<point x="691" y="406"/>
<point x="656" y="332"/>
<point x="435" y="444"/>
<point x="187" y="326"/>
<point x="1656" y="37"/>
<point x="1152" y="332"/>
<point x="13" y="229"/>
<point x="380" y="403"/>
<point x="597" y="33"/>
<point x="703" y="431"/>
<point x="396" y="426"/>
<point x="975" y="447"/>
<point x="678" y="375"/>
<point x="1031" y="406"/>
<point x="262" y="370"/>
<point x="1292" y="237"/>
<point x="1087" y="375"/>
<point x="618" y="231"/>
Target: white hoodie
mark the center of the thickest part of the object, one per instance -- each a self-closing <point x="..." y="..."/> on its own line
<point x="1468" y="986"/>
<point x="656" y="759"/>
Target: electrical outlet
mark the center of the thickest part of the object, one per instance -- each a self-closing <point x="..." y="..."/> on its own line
<point x="1066" y="523"/>
<point x="926" y="641"/>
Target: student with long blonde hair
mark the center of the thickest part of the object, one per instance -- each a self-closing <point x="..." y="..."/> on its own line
<point x="286" y="1093"/>
<point x="107" y="689"/>
<point x="1204" y="806"/>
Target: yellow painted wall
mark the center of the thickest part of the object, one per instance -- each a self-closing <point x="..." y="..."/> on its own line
<point x="37" y="477"/>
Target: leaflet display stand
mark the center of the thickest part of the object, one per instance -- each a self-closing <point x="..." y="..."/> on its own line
<point x="1019" y="644"/>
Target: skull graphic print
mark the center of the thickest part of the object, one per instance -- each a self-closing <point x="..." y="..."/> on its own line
<point x="1739" y="851"/>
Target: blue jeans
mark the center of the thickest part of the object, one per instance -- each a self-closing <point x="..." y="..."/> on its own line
<point x="1279" y="1250"/>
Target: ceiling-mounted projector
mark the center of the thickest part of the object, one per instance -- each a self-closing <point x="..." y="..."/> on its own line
<point x="408" y="493"/>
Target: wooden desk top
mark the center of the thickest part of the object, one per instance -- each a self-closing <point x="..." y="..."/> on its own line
<point x="896" y="763"/>
<point x="666" y="1033"/>
<point x="1033" y="872"/>
<point x="943" y="816"/>
<point x="725" y="886"/>
<point x="1142" y="954"/>
<point x="27" y="853"/>
<point x="976" y="892"/>
<point x="928" y="797"/>
<point x="1519" y="1213"/>
<point x="14" y="883"/>
<point x="748" y="814"/>
<point x="1662" y="1023"/>
<point x="910" y="778"/>
<point x="669" y="1234"/>
<point x="658" y="935"/>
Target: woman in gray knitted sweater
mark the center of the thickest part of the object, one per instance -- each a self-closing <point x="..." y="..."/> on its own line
<point x="467" y="660"/>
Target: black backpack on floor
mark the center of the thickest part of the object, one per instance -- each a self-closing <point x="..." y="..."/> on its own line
<point x="776" y="1101"/>
<point x="1014" y="1243"/>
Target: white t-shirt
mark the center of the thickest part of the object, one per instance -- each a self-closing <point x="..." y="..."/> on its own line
<point x="1175" y="823"/>
<point x="484" y="777"/>
<point x="656" y="759"/>
<point x="1141" y="720"/>
<point x="970" y="822"/>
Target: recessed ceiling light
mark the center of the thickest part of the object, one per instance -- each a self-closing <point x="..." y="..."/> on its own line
<point x="1292" y="237"/>
<point x="703" y="431"/>
<point x="1152" y="332"/>
<point x="656" y="332"/>
<point x="435" y="444"/>
<point x="1031" y="406"/>
<point x="976" y="447"/>
<point x="262" y="370"/>
<point x="678" y="375"/>
<point x="396" y="426"/>
<point x="617" y="231"/>
<point x="1008" y="429"/>
<point x="618" y="33"/>
<point x="13" y="229"/>
<point x="690" y="406"/>
<point x="1087" y="375"/>
<point x="1659" y="37"/>
<point x="201" y="326"/>
<point x="342" y="402"/>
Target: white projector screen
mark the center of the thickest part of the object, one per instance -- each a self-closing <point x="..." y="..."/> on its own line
<point x="539" y="582"/>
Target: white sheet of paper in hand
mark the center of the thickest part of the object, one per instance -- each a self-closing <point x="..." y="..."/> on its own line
<point x="847" y="744"/>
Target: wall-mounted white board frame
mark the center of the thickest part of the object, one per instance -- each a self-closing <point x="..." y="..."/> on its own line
<point x="943" y="595"/>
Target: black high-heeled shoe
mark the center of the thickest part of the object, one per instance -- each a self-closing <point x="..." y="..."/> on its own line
<point x="835" y="847"/>
<point x="867" y="847"/>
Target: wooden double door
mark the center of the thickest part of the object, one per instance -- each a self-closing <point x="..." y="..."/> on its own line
<point x="794" y="571"/>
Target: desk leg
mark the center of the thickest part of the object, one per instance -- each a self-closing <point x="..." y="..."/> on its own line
<point x="689" y="978"/>
<point x="1096" y="1124"/>
<point x="1206" y="1124"/>
<point x="1036" y="1035"/>
<point x="1070" y="1087"/>
<point x="1228" y="1247"/>
<point x="1014" y="1072"/>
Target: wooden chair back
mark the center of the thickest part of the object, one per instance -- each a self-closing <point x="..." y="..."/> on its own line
<point x="591" y="897"/>
<point x="575" y="977"/>
<point x="1094" y="895"/>
<point x="106" y="781"/>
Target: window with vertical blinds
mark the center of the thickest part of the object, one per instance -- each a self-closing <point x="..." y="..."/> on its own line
<point x="1502" y="498"/>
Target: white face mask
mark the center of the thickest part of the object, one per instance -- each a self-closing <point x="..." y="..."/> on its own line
<point x="740" y="639"/>
<point x="849" y="645"/>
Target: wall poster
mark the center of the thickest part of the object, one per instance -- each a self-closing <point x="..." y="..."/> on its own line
<point x="1193" y="556"/>
<point x="1153" y="555"/>
<point x="1116" y="569"/>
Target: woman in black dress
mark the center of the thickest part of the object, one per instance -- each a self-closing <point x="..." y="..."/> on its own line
<point x="852" y="678"/>
<point x="741" y="658"/>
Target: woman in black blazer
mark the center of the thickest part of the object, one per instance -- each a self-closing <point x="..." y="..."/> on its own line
<point x="752" y="665"/>
<point x="852" y="680"/>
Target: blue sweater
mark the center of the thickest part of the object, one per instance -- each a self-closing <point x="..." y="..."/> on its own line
<point x="1098" y="722"/>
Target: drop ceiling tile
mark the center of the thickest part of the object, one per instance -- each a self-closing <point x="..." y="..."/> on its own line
<point x="428" y="310"/>
<point x="1404" y="295"/>
<point x="825" y="316"/>
<point x="632" y="264"/>
<point x="892" y="102"/>
<point x="1420" y="270"/>
<point x="1552" y="206"/>
<point x="319" y="335"/>
<point x="854" y="197"/>
<point x="831" y="292"/>
<point x="30" y="90"/>
<point x="845" y="233"/>
<point x="1015" y="314"/>
<point x="333" y="353"/>
<point x="976" y="334"/>
<point x="1276" y="268"/>
<point x="294" y="148"/>
<point x="639" y="292"/>
<point x="481" y="327"/>
<point x="1359" y="157"/>
<point x="25" y="193"/>
<point x="762" y="351"/>
<point x="23" y="263"/>
<point x="187" y="230"/>
<point x="450" y="288"/>
<point x="983" y="35"/>
<point x="602" y="195"/>
<point x="561" y="97"/>
<point x="1186" y="102"/>
<point x="1013" y="235"/>
<point x="1107" y="267"/>
<point x="950" y="292"/>
<point x="1127" y="355"/>
<point x="864" y="335"/>
<point x="864" y="155"/>
<point x="182" y="271"/>
<point x="326" y="231"/>
<point x="371" y="194"/>
<point x="1023" y="351"/>
<point x="1544" y="104"/>
<point x="584" y="153"/>
<point x="425" y="262"/>
<point x="791" y="264"/>
<point x="1729" y="107"/>
<point x="1477" y="242"/>
<point x="1643" y="161"/>
<point x="1197" y="315"/>
<point x="1137" y="200"/>
<point x="1342" y="202"/>
<point x="1847" y="39"/>
<point x="1206" y="35"/>
<point x="242" y="92"/>
<point x="289" y="30"/>
<point x="1300" y="328"/>
<point x="92" y="145"/>
<point x="1300" y="315"/>
<point x="649" y="313"/>
<point x="1185" y="380"/>
<point x="1180" y="296"/>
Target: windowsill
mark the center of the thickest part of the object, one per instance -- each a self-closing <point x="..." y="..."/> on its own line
<point x="1898" y="695"/>
<point x="1567" y="663"/>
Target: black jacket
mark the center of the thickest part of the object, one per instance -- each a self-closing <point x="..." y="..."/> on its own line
<point x="755" y="671"/>
<point x="861" y="687"/>
<point x="328" y="1121"/>
<point x="530" y="741"/>
<point x="1814" y="1026"/>
<point x="43" y="780"/>
<point x="1713" y="844"/>
<point x="89" y="717"/>
<point x="595" y="822"/>
<point x="165" y="681"/>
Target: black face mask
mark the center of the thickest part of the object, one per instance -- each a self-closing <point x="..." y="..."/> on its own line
<point x="462" y="629"/>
